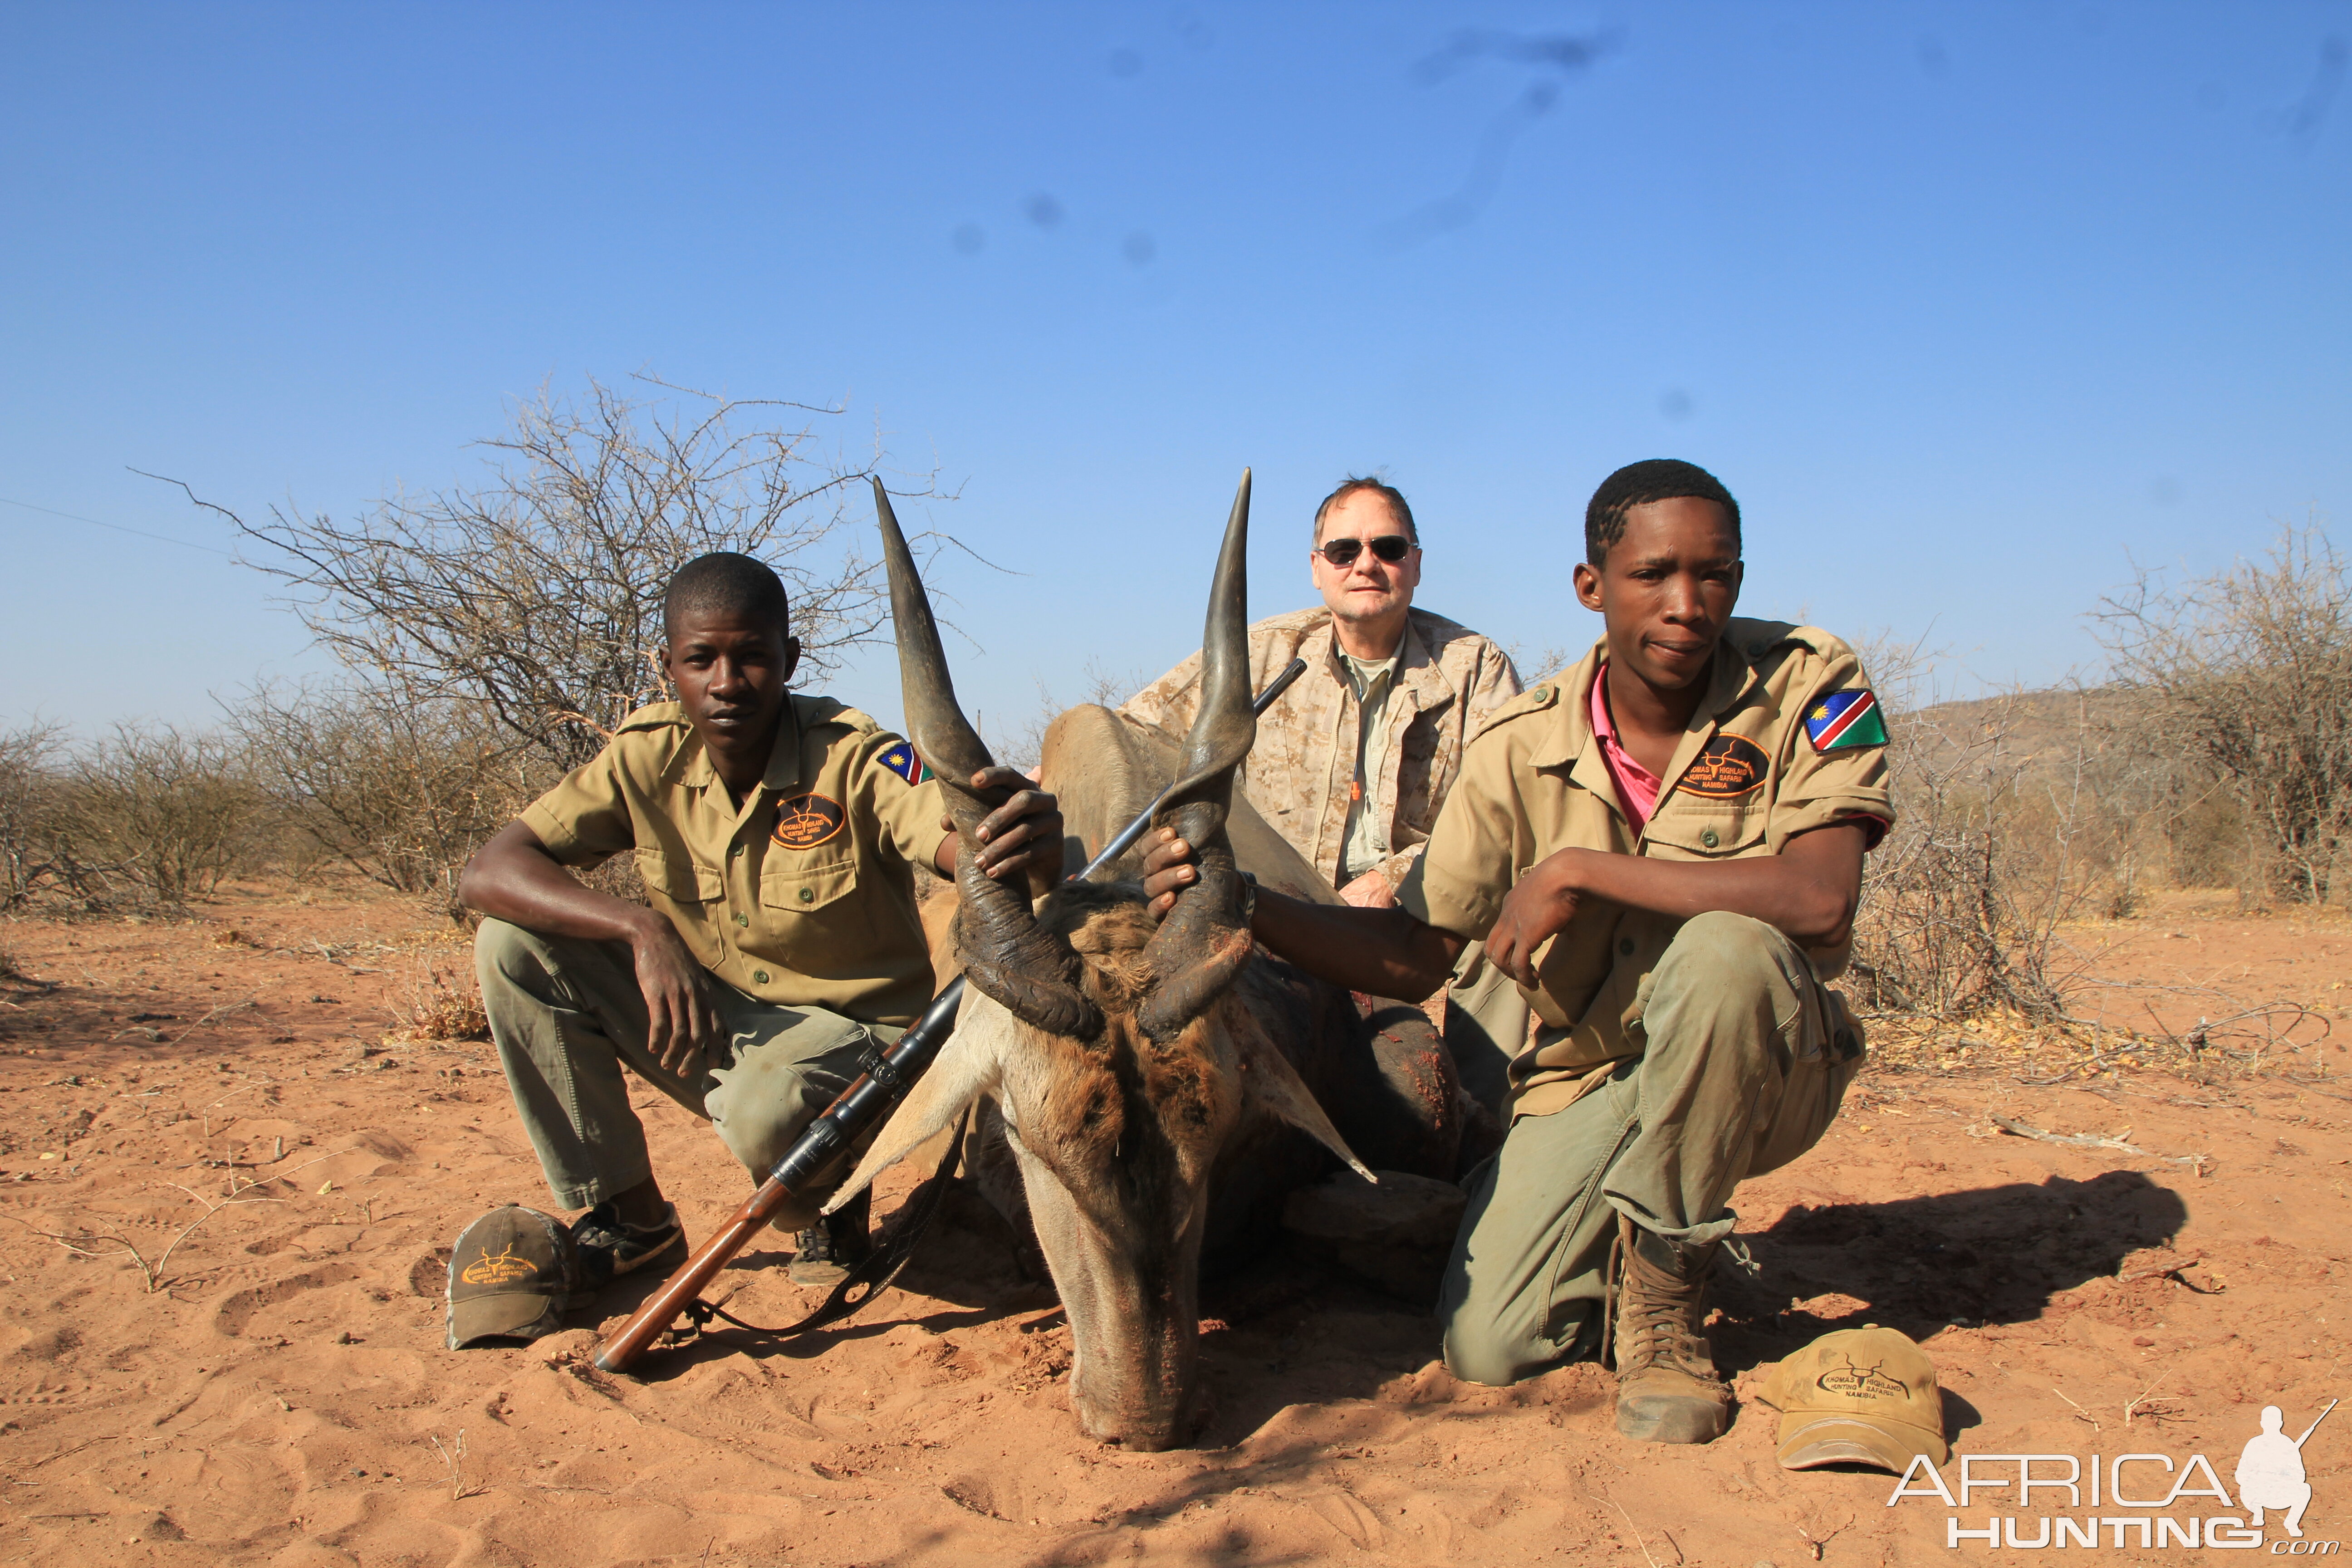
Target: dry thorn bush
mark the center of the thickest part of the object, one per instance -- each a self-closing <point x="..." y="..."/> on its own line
<point x="401" y="792"/>
<point x="2251" y="669"/>
<point x="534" y="597"/>
<point x="163" y="812"/>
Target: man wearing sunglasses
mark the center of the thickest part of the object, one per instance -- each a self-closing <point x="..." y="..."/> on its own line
<point x="1353" y="763"/>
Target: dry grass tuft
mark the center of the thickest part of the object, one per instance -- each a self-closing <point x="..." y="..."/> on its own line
<point x="446" y="1007"/>
<point x="2281" y="1037"/>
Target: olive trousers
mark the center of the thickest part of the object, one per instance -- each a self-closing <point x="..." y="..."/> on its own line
<point x="567" y="1014"/>
<point x="1747" y="1059"/>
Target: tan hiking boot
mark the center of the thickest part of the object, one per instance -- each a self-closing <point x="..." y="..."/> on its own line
<point x="1667" y="1387"/>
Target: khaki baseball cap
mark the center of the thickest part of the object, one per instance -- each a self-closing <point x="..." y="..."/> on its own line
<point x="1858" y="1397"/>
<point x="512" y="1275"/>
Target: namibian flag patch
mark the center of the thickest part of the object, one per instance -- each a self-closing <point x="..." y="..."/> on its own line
<point x="902" y="760"/>
<point x="1845" y="719"/>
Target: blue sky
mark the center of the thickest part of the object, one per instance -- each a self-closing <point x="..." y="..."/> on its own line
<point x="1970" y="305"/>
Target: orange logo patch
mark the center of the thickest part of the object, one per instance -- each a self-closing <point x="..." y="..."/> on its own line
<point x="499" y="1269"/>
<point x="1730" y="767"/>
<point x="806" y="821"/>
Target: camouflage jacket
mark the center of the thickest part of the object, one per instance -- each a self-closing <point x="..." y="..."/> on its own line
<point x="1299" y="774"/>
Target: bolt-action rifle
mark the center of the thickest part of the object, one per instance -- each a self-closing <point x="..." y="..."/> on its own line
<point x="885" y="1078"/>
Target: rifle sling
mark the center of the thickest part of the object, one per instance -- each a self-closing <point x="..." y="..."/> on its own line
<point x="869" y="1278"/>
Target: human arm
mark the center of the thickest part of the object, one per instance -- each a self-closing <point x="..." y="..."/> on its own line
<point x="1809" y="890"/>
<point x="1023" y="836"/>
<point x="1380" y="951"/>
<point x="513" y="877"/>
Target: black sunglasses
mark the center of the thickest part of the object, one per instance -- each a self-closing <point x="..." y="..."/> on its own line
<point x="1389" y="547"/>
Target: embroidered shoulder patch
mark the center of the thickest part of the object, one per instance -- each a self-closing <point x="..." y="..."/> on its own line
<point x="806" y="821"/>
<point x="1845" y="719"/>
<point x="902" y="760"/>
<point x="1731" y="765"/>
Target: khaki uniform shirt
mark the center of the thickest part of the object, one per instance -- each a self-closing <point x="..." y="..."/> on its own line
<point x="1745" y="780"/>
<point x="1449" y="680"/>
<point x="805" y="895"/>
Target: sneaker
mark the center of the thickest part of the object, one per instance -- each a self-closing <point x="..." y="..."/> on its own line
<point x="1667" y="1388"/>
<point x="609" y="1250"/>
<point x="825" y="1253"/>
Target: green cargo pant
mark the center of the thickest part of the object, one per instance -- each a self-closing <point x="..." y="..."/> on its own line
<point x="1747" y="1059"/>
<point x="1486" y="1027"/>
<point x="567" y="1012"/>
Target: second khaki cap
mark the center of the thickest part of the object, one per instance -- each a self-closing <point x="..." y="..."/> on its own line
<point x="1858" y="1397"/>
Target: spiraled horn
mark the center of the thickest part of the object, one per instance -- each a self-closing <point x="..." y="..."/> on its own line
<point x="1031" y="971"/>
<point x="1202" y="945"/>
<point x="1222" y="726"/>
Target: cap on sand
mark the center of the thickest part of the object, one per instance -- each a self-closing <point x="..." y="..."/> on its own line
<point x="512" y="1275"/>
<point x="1858" y="1397"/>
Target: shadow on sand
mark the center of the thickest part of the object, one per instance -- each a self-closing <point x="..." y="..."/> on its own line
<point x="1991" y="1255"/>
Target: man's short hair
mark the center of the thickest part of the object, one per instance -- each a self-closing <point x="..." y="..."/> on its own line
<point x="729" y="583"/>
<point x="1639" y="484"/>
<point x="1387" y="492"/>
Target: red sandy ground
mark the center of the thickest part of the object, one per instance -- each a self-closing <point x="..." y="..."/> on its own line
<point x="278" y="1398"/>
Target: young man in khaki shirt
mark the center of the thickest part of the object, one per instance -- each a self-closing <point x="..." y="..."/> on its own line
<point x="1662" y="846"/>
<point x="1351" y="767"/>
<point x="777" y="836"/>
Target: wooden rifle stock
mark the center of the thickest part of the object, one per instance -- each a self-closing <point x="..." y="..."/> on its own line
<point x="810" y="1159"/>
<point x="806" y="1165"/>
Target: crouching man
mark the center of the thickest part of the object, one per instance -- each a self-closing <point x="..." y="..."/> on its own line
<point x="1662" y="847"/>
<point x="777" y="836"/>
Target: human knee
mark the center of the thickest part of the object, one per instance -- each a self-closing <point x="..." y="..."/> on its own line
<point x="1719" y="939"/>
<point x="507" y="954"/>
<point x="1475" y="1353"/>
<point x="1733" y="958"/>
<point x="759" y="1120"/>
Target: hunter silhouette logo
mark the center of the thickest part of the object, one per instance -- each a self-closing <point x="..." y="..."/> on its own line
<point x="2270" y="1471"/>
<point x="502" y="1267"/>
<point x="1860" y="1382"/>
<point x="806" y="821"/>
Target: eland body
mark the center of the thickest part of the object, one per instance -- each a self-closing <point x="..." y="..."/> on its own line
<point x="1157" y="1088"/>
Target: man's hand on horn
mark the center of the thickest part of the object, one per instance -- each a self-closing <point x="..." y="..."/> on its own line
<point x="1168" y="869"/>
<point x="1023" y="836"/>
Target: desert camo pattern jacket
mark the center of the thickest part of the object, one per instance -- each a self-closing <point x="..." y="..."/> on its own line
<point x="1302" y="769"/>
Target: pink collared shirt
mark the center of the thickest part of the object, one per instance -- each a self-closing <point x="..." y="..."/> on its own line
<point x="1637" y="787"/>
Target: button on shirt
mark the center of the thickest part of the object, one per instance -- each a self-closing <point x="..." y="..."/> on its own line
<point x="803" y="894"/>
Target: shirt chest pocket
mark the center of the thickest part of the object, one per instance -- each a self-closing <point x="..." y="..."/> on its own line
<point x="680" y="879"/>
<point x="1714" y="830"/>
<point x="800" y="889"/>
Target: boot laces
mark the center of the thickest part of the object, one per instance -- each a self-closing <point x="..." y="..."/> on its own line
<point x="1658" y="1315"/>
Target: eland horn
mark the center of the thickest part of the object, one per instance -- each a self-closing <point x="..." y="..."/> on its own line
<point x="1203" y="943"/>
<point x="1007" y="954"/>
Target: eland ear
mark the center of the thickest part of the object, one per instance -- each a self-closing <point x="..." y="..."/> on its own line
<point x="965" y="1068"/>
<point x="1271" y="1083"/>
